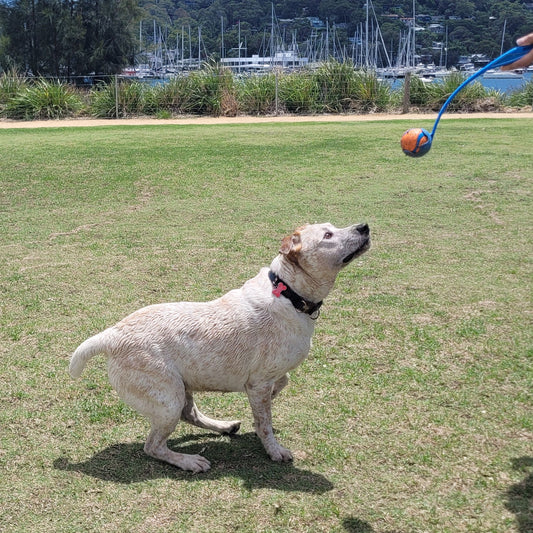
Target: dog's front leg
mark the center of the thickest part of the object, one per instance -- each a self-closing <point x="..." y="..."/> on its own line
<point x="260" y="396"/>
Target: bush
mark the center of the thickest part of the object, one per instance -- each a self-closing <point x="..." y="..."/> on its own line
<point x="175" y="96"/>
<point x="465" y="99"/>
<point x="523" y="97"/>
<point x="257" y="94"/>
<point x="298" y="92"/>
<point x="118" y="98"/>
<point x="419" y="92"/>
<point x="371" y="95"/>
<point x="11" y="83"/>
<point x="209" y="87"/>
<point x="43" y="100"/>
<point x="333" y="87"/>
<point x="337" y="85"/>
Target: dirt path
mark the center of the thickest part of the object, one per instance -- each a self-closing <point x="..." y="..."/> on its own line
<point x="415" y="118"/>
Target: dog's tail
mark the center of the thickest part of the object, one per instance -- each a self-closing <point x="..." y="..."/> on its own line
<point x="87" y="350"/>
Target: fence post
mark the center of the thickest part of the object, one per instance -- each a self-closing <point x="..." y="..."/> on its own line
<point x="276" y="89"/>
<point x="406" y="91"/>
<point x="116" y="96"/>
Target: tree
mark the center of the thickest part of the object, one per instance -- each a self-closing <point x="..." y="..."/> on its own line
<point x="68" y="37"/>
<point x="110" y="37"/>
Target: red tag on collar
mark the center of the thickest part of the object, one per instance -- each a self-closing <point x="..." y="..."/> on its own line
<point x="279" y="289"/>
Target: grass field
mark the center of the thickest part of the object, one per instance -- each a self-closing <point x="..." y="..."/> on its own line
<point x="413" y="412"/>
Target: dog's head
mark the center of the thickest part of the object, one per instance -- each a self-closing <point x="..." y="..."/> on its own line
<point x="322" y="250"/>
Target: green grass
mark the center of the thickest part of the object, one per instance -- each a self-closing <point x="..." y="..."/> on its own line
<point x="413" y="411"/>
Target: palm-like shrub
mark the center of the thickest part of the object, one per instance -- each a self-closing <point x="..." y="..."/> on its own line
<point x="43" y="100"/>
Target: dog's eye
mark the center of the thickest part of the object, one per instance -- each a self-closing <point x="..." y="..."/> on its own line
<point x="328" y="235"/>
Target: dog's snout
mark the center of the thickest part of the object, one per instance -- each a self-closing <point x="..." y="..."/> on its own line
<point x="363" y="229"/>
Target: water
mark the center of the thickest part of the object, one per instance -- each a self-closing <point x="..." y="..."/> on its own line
<point x="506" y="85"/>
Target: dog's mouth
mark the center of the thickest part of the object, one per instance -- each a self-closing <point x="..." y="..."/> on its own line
<point x="363" y="247"/>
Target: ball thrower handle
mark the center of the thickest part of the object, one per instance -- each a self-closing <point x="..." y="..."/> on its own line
<point x="508" y="57"/>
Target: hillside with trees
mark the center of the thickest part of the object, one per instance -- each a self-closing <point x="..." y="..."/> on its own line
<point x="79" y="37"/>
<point x="472" y="26"/>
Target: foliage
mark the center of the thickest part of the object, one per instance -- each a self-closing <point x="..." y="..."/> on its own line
<point x="257" y="94"/>
<point x="466" y="100"/>
<point x="370" y="93"/>
<point x="299" y="92"/>
<point x="118" y="99"/>
<point x="208" y="87"/>
<point x="522" y="97"/>
<point x="68" y="38"/>
<point x="11" y="83"/>
<point x="473" y="97"/>
<point x="43" y="100"/>
<point x="473" y="27"/>
<point x="332" y="88"/>
<point x="336" y="82"/>
<point x="174" y="96"/>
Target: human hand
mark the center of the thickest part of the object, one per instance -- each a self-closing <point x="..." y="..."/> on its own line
<point x="525" y="60"/>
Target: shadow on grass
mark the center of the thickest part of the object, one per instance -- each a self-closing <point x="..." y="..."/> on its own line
<point x="355" y="525"/>
<point x="520" y="496"/>
<point x="241" y="456"/>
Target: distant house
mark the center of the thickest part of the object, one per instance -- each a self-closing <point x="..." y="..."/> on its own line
<point x="423" y="18"/>
<point x="436" y="28"/>
<point x="316" y="23"/>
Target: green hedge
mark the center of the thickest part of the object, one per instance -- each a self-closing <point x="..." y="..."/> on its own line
<point x="331" y="88"/>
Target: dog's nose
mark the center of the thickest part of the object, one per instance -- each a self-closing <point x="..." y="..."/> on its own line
<point x="363" y="229"/>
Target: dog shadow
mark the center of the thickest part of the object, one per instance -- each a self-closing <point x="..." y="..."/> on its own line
<point x="519" y="497"/>
<point x="239" y="456"/>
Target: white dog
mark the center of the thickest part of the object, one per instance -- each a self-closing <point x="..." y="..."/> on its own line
<point x="247" y="341"/>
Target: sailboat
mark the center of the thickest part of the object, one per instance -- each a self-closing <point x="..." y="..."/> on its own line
<point x="504" y="74"/>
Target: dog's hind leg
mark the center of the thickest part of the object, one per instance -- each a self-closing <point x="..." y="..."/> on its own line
<point x="192" y="415"/>
<point x="156" y="446"/>
<point x="161" y="398"/>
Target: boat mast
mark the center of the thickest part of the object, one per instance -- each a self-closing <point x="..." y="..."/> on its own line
<point x="413" y="53"/>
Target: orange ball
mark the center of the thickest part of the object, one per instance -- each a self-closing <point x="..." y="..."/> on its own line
<point x="416" y="142"/>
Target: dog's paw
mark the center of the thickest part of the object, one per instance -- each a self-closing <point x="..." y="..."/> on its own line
<point x="195" y="463"/>
<point x="232" y="428"/>
<point x="280" y="454"/>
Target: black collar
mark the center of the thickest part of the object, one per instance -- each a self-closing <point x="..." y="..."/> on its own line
<point x="301" y="304"/>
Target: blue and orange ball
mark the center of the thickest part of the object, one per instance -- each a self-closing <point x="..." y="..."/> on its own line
<point x="416" y="142"/>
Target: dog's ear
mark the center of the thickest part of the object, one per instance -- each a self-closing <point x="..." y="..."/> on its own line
<point x="291" y="246"/>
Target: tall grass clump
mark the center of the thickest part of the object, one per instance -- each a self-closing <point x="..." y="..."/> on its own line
<point x="11" y="83"/>
<point x="257" y="94"/>
<point x="371" y="95"/>
<point x="212" y="91"/>
<point x="298" y="92"/>
<point x="522" y="97"/>
<point x="337" y="85"/>
<point x="43" y="100"/>
<point x="468" y="99"/>
<point x="420" y="93"/>
<point x="175" y="96"/>
<point x="118" y="98"/>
